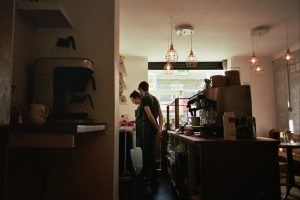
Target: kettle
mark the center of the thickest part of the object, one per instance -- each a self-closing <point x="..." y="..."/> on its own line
<point x="76" y="107"/>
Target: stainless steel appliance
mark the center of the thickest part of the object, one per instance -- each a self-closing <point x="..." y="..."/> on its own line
<point x="211" y="104"/>
<point x="61" y="83"/>
<point x="235" y="99"/>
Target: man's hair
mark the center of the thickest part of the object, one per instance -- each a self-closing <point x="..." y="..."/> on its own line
<point x="144" y="86"/>
<point x="135" y="94"/>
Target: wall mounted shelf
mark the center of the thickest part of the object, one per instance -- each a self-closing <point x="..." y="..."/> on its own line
<point x="50" y="136"/>
<point x="45" y="14"/>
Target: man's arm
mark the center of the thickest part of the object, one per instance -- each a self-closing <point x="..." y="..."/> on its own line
<point x="150" y="117"/>
<point x="160" y="120"/>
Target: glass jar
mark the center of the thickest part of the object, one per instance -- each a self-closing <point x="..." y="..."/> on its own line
<point x="286" y="138"/>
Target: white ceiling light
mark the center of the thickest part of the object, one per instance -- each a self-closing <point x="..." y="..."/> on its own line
<point x="184" y="30"/>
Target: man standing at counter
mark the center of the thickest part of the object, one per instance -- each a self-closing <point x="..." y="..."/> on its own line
<point x="150" y="111"/>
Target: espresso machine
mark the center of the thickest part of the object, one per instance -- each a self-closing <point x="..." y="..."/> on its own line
<point x="210" y="104"/>
<point x="61" y="83"/>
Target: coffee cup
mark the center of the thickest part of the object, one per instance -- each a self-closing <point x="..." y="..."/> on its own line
<point x="194" y="120"/>
<point x="38" y="114"/>
<point x="188" y="130"/>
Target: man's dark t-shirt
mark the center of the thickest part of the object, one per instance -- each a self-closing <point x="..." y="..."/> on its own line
<point x="153" y="104"/>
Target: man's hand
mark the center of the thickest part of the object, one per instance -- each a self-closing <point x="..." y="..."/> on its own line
<point x="159" y="133"/>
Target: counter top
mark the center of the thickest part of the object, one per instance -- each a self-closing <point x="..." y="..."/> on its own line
<point x="59" y="128"/>
<point x="50" y="135"/>
<point x="200" y="140"/>
<point x="126" y="128"/>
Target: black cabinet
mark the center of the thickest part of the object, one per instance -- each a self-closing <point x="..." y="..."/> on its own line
<point x="219" y="169"/>
<point x="239" y="171"/>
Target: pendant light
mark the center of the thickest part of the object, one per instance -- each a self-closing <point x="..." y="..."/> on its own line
<point x="168" y="68"/>
<point x="171" y="55"/>
<point x="253" y="60"/>
<point x="258" y="67"/>
<point x="288" y="57"/>
<point x="290" y="60"/>
<point x="255" y="64"/>
<point x="191" y="60"/>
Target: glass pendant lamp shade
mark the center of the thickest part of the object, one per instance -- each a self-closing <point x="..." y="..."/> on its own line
<point x="288" y="57"/>
<point x="253" y="60"/>
<point x="258" y="67"/>
<point x="168" y="68"/>
<point x="191" y="60"/>
<point x="171" y="55"/>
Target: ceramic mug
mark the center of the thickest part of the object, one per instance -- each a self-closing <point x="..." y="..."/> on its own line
<point x="194" y="120"/>
<point x="38" y="114"/>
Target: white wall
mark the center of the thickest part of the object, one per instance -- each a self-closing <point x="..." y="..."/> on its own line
<point x="262" y="92"/>
<point x="23" y="56"/>
<point x="137" y="71"/>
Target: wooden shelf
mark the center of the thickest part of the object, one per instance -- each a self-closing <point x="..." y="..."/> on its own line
<point x="50" y="136"/>
<point x="45" y="14"/>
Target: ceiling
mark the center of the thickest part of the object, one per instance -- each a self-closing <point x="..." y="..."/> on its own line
<point x="221" y="27"/>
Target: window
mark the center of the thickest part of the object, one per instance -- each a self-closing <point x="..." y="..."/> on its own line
<point x="182" y="83"/>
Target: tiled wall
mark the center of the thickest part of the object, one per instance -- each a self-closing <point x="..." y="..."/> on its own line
<point x="285" y="118"/>
<point x="6" y="32"/>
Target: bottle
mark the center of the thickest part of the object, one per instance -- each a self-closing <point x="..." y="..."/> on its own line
<point x="229" y="126"/>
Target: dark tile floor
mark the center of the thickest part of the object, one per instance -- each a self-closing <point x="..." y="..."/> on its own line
<point x="132" y="189"/>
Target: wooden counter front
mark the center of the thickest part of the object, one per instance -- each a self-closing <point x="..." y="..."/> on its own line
<point x="232" y="169"/>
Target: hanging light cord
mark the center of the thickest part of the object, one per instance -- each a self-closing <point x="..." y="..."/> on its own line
<point x="171" y="31"/>
<point x="191" y="40"/>
<point x="257" y="45"/>
<point x="287" y="33"/>
<point x="252" y="44"/>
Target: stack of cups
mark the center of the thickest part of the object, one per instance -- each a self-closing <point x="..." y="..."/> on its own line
<point x="232" y="77"/>
<point x="218" y="81"/>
